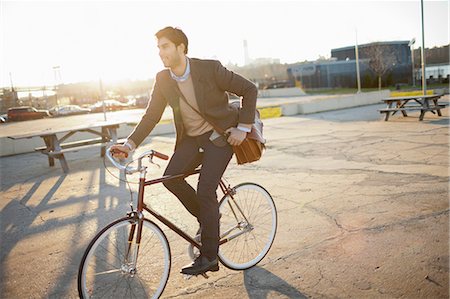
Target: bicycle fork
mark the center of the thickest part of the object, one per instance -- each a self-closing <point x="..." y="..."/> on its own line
<point x="130" y="266"/>
<point x="131" y="255"/>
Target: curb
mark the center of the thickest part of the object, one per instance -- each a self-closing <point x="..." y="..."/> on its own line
<point x="323" y="104"/>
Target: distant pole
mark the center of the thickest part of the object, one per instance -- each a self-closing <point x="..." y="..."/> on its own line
<point x="45" y="96"/>
<point x="358" y="80"/>
<point x="16" y="98"/>
<point x="411" y="44"/>
<point x="10" y="80"/>
<point x="424" y="79"/>
<point x="56" y="70"/>
<point x="246" y="56"/>
<point x="103" y="100"/>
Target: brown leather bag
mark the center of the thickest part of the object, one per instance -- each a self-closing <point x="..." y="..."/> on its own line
<point x="252" y="148"/>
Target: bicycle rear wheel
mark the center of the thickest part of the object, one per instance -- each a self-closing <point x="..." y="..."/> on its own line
<point x="108" y="270"/>
<point x="248" y="224"/>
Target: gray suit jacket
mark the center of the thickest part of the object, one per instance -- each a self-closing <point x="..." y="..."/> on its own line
<point x="211" y="82"/>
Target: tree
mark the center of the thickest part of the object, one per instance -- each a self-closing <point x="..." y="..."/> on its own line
<point x="382" y="58"/>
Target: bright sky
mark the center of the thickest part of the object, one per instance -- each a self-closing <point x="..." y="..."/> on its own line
<point x="114" y="40"/>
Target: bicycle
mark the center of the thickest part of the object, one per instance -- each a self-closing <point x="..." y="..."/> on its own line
<point x="131" y="257"/>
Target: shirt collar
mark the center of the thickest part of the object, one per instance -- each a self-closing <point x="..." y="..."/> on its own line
<point x="185" y="75"/>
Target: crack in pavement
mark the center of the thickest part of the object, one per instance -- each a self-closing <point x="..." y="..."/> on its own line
<point x="378" y="227"/>
<point x="407" y="220"/>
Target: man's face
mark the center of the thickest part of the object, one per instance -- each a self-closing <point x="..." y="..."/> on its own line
<point x="170" y="54"/>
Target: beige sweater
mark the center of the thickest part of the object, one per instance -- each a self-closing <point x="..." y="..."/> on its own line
<point x="194" y="124"/>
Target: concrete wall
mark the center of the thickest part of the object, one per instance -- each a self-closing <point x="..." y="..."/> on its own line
<point x="335" y="103"/>
<point x="281" y="92"/>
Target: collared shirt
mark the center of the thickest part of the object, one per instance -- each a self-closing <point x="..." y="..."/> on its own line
<point x="185" y="75"/>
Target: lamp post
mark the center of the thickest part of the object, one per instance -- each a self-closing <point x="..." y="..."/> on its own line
<point x="57" y="74"/>
<point x="424" y="79"/>
<point x="411" y="44"/>
<point x="102" y="99"/>
<point x="358" y="80"/>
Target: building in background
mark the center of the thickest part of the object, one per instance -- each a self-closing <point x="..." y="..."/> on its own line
<point x="8" y="99"/>
<point x="340" y="70"/>
<point x="437" y="68"/>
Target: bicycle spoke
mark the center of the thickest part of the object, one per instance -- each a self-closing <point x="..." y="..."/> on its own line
<point x="129" y="287"/>
<point x="140" y="282"/>
<point x="257" y="219"/>
<point x="105" y="261"/>
<point x="108" y="289"/>
<point x="105" y="273"/>
<point x="116" y="284"/>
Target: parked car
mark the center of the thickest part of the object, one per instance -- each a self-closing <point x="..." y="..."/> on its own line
<point x="26" y="113"/>
<point x="110" y="105"/>
<point x="279" y="84"/>
<point x="142" y="101"/>
<point x="3" y="118"/>
<point x="68" y="110"/>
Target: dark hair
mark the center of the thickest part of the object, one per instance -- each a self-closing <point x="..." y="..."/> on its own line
<point x="175" y="35"/>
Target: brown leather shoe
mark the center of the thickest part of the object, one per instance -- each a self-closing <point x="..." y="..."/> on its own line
<point x="201" y="265"/>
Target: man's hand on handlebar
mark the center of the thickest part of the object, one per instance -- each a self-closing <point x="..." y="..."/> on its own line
<point x="120" y="151"/>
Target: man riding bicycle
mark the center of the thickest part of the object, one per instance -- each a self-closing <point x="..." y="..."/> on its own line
<point x="196" y="89"/>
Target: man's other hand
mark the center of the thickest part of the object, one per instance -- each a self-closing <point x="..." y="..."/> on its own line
<point x="120" y="151"/>
<point x="236" y="136"/>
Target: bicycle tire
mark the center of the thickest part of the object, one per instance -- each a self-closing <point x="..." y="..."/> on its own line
<point x="249" y="248"/>
<point x="104" y="273"/>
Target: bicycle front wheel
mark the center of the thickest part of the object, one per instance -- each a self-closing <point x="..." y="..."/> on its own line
<point x="248" y="226"/>
<point x="112" y="268"/>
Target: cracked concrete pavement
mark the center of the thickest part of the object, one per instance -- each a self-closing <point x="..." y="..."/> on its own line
<point x="363" y="210"/>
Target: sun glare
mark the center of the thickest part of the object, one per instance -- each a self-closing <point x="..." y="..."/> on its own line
<point x="115" y="40"/>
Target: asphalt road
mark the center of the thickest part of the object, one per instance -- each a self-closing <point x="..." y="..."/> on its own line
<point x="68" y="122"/>
<point x="362" y="203"/>
<point x="130" y="116"/>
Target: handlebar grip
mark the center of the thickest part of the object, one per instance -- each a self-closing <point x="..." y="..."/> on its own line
<point x="160" y="155"/>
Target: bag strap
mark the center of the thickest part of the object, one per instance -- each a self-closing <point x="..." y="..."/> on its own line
<point x="217" y="128"/>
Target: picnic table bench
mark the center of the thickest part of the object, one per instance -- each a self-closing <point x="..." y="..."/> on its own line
<point x="55" y="147"/>
<point x="424" y="103"/>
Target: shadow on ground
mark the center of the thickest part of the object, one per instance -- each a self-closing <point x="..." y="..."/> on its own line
<point x="49" y="215"/>
<point x="261" y="283"/>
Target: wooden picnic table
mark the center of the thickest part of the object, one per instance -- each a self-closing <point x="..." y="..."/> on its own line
<point x="424" y="103"/>
<point x="55" y="147"/>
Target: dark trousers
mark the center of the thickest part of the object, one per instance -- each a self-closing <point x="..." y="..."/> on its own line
<point x="203" y="204"/>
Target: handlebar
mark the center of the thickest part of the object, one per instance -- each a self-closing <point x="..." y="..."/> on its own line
<point x="131" y="170"/>
<point x="160" y="155"/>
